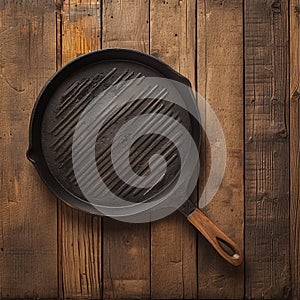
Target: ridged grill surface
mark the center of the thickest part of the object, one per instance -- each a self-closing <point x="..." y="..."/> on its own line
<point x="75" y="95"/>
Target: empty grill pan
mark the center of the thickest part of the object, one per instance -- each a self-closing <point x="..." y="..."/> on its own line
<point x="74" y="91"/>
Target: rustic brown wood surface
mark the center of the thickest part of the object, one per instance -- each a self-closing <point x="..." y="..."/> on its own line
<point x="266" y="150"/>
<point x="28" y="242"/>
<point x="220" y="51"/>
<point x="295" y="147"/>
<point x="243" y="57"/>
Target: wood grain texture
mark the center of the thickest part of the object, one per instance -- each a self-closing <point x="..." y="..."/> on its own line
<point x="224" y="245"/>
<point x="220" y="82"/>
<point x="126" y="247"/>
<point x="28" y="242"/>
<point x="80" y="27"/>
<point x="267" y="150"/>
<point x="79" y="233"/>
<point x="173" y="240"/>
<point x="126" y="260"/>
<point x="126" y="24"/>
<point x="295" y="146"/>
<point x="203" y="40"/>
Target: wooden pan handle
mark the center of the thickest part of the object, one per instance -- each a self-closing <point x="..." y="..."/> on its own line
<point x="227" y="248"/>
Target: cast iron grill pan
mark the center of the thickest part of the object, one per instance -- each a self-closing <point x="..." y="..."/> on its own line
<point x="69" y="101"/>
<point x="71" y="90"/>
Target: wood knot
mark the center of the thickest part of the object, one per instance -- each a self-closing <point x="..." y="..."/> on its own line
<point x="276" y="7"/>
<point x="280" y="135"/>
<point x="262" y="197"/>
<point x="295" y="95"/>
<point x="220" y="2"/>
<point x="58" y="6"/>
<point x="250" y="140"/>
<point x="297" y="9"/>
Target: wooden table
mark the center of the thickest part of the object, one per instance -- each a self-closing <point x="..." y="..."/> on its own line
<point x="243" y="57"/>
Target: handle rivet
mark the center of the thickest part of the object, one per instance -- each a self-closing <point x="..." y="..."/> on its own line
<point x="236" y="256"/>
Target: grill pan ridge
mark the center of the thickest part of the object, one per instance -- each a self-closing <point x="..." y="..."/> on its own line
<point x="70" y="91"/>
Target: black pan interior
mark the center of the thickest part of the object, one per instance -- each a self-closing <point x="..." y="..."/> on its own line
<point x="72" y="93"/>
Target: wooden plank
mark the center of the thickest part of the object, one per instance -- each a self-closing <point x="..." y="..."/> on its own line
<point x="126" y="24"/>
<point x="126" y="247"/>
<point x="267" y="150"/>
<point x="79" y="232"/>
<point x="295" y="147"/>
<point x="173" y="239"/>
<point x="28" y="241"/>
<point x="220" y="82"/>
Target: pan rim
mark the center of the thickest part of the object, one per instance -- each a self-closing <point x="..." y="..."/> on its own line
<point x="35" y="153"/>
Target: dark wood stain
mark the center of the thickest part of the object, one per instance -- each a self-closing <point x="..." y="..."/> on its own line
<point x="294" y="148"/>
<point x="266" y="150"/>
<point x="220" y="51"/>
